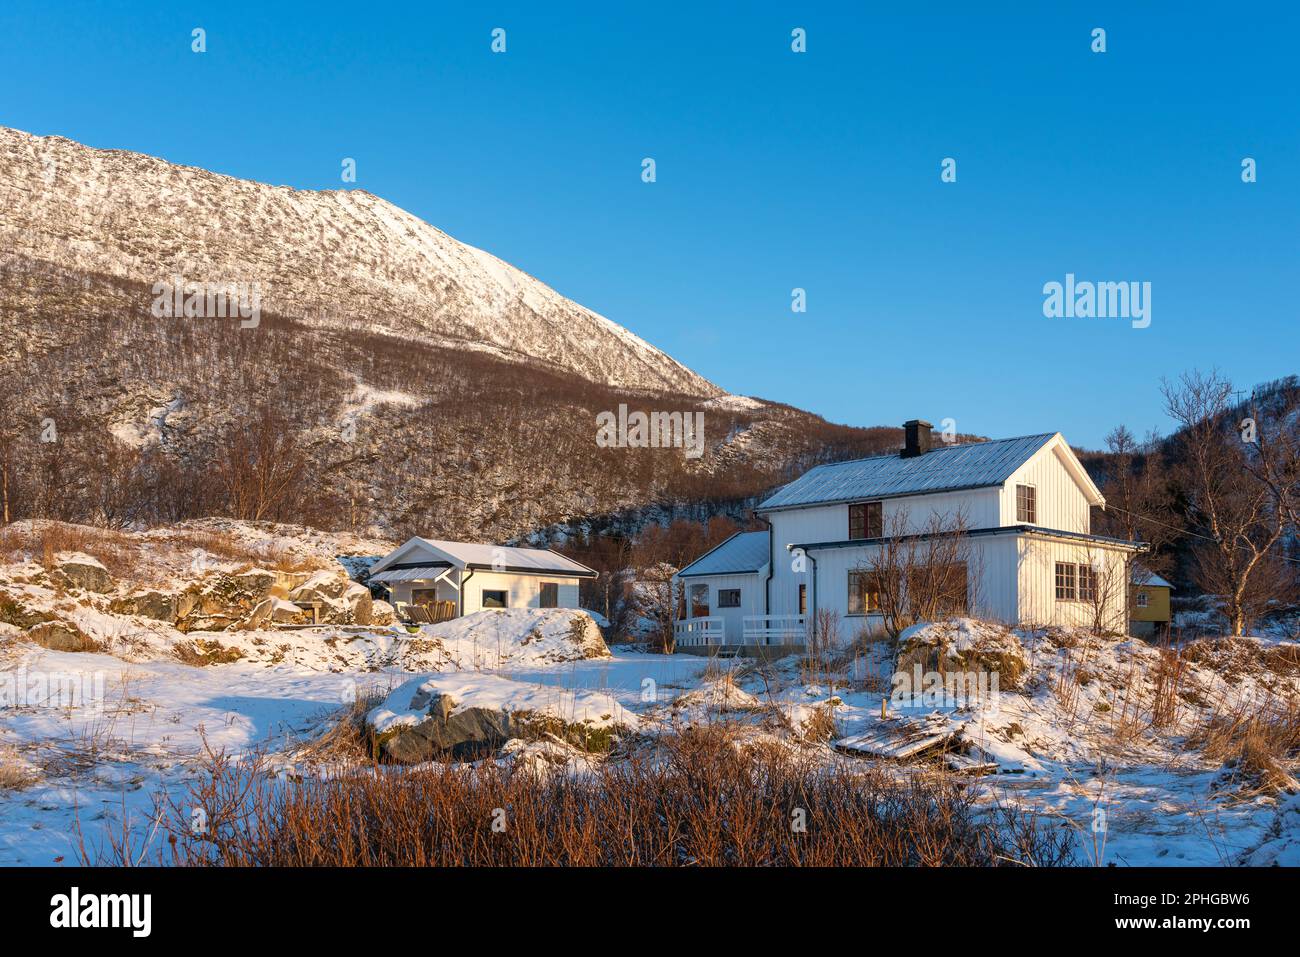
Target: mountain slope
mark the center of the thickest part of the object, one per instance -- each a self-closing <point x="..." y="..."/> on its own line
<point x="398" y="381"/>
<point x="333" y="258"/>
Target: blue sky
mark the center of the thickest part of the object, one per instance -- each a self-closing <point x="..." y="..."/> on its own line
<point x="775" y="170"/>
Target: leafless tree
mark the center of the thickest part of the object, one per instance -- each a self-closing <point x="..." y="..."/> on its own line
<point x="1236" y="515"/>
<point x="260" y="466"/>
<point x="916" y="575"/>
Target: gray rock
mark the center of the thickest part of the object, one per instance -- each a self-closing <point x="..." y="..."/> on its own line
<point x="148" y="604"/>
<point x="60" y="636"/>
<point x="471" y="732"/>
<point x="91" y="577"/>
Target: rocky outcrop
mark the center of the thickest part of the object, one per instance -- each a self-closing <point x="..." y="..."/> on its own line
<point x="61" y="636"/>
<point x="82" y="571"/>
<point x="963" y="645"/>
<point x="469" y="732"/>
<point x="339" y="600"/>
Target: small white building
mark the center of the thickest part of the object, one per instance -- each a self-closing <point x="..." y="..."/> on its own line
<point x="1028" y="553"/>
<point x="474" y="577"/>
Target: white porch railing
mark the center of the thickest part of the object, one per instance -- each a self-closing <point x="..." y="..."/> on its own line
<point x="700" y="631"/>
<point x="775" y="629"/>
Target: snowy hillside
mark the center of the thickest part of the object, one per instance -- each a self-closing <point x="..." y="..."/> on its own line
<point x="333" y="258"/>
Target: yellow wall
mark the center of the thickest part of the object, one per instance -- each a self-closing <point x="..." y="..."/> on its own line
<point x="1157" y="603"/>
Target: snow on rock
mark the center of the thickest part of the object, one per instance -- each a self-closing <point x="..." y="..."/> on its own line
<point x="719" y="695"/>
<point x="465" y="714"/>
<point x="962" y="644"/>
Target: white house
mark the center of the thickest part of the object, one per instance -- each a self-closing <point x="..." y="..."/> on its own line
<point x="1023" y="507"/>
<point x="472" y="577"/>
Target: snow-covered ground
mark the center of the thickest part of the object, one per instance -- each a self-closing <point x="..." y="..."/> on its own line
<point x="1062" y="747"/>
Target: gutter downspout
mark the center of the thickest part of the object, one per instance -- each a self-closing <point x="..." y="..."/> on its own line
<point x="812" y="592"/>
<point x="461" y="596"/>
<point x="767" y="582"/>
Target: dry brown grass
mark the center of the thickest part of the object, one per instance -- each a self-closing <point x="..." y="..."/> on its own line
<point x="14" y="773"/>
<point x="698" y="800"/>
<point x="1257" y="743"/>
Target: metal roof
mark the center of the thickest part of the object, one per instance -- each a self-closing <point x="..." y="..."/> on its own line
<point x="478" y="555"/>
<point x="741" y="554"/>
<point x="418" y="573"/>
<point x="945" y="468"/>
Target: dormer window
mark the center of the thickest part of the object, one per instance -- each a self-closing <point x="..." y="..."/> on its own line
<point x="866" y="520"/>
<point x="1026" y="505"/>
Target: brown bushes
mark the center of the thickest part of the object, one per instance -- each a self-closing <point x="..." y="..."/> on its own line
<point x="1256" y="742"/>
<point x="697" y="801"/>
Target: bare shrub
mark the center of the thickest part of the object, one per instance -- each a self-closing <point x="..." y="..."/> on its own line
<point x="700" y="801"/>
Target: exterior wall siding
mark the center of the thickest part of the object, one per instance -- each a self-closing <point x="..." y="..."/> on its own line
<point x="522" y="591"/>
<point x="1060" y="503"/>
<point x="751" y="599"/>
<point x="1037" y="584"/>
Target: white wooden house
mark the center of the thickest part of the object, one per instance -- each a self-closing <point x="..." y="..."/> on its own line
<point x="1023" y="504"/>
<point x="474" y="577"/>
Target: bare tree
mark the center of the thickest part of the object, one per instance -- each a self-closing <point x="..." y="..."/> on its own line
<point x="1139" y="503"/>
<point x="260" y="466"/>
<point x="1237" y="516"/>
<point x="1104" y="581"/>
<point x="912" y="576"/>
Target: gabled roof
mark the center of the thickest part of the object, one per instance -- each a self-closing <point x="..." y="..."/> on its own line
<point x="1143" y="577"/>
<point x="429" y="551"/>
<point x="946" y="468"/>
<point x="743" y="553"/>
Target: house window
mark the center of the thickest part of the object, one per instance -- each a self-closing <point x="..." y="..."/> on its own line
<point x="699" y="600"/>
<point x="1065" y="582"/>
<point x="1143" y="599"/>
<point x="1087" y="583"/>
<point x="424" y="596"/>
<point x="803" y="599"/>
<point x="1026" y="504"/>
<point x="549" y="595"/>
<point x="866" y="520"/>
<point x="728" y="597"/>
<point x="494" y="598"/>
<point x="864" y="593"/>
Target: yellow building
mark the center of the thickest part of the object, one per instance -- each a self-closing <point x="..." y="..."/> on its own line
<point x="1149" y="614"/>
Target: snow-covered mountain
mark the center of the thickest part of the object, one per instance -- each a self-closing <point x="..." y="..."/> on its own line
<point x="333" y="258"/>
<point x="397" y="379"/>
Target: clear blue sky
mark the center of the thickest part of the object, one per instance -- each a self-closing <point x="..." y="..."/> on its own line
<point x="775" y="170"/>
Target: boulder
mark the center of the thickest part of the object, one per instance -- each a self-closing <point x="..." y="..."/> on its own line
<point x="160" y="606"/>
<point x="342" y="601"/>
<point x="382" y="613"/>
<point x="14" y="611"/>
<point x="963" y="645"/>
<point x="84" y="572"/>
<point x="466" y="733"/>
<point x="61" y="636"/>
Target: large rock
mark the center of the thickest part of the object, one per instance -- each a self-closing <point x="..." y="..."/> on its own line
<point x="160" y="606"/>
<point x="84" y="572"/>
<point x="963" y="645"/>
<point x="14" y="611"/>
<point x="340" y="600"/>
<point x="468" y="732"/>
<point x="61" y="636"/>
<point x="463" y="715"/>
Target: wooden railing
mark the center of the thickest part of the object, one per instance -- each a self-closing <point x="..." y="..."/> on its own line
<point x="708" y="630"/>
<point x="775" y="629"/>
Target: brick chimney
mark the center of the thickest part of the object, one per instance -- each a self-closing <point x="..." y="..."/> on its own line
<point x="916" y="438"/>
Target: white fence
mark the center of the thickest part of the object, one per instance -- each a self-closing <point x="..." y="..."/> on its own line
<point x="700" y="631"/>
<point x="757" y="630"/>
<point x="776" y="629"/>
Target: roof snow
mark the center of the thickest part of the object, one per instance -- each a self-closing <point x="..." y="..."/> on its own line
<point x="742" y="553"/>
<point x="946" y="468"/>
